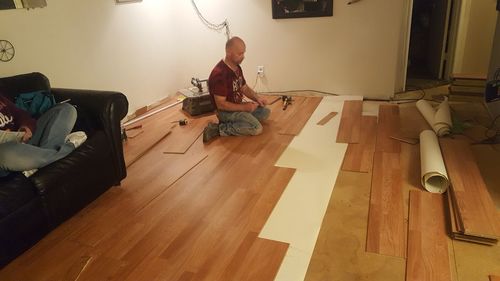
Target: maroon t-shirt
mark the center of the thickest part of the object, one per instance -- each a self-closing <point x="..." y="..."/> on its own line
<point x="12" y="118"/>
<point x="223" y="81"/>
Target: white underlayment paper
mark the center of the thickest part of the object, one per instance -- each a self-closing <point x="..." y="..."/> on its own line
<point x="432" y="169"/>
<point x="298" y="215"/>
<point x="440" y="119"/>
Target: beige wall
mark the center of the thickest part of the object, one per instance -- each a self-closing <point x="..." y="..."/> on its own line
<point x="475" y="36"/>
<point x="152" y="48"/>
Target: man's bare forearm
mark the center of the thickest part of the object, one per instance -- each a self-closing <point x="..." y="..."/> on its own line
<point x="249" y="93"/>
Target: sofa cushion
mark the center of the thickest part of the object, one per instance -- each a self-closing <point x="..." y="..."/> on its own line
<point x="15" y="191"/>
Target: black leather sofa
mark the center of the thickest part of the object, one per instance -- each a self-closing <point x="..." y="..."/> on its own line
<point x="32" y="207"/>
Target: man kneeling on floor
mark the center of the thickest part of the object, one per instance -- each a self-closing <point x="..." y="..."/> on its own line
<point x="227" y="86"/>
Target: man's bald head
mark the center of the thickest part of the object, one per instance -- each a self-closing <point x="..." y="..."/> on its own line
<point x="235" y="51"/>
<point x="234" y="42"/>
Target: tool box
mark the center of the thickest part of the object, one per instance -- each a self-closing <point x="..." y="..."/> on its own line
<point x="198" y="104"/>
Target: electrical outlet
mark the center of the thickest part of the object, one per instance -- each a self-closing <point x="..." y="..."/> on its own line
<point x="260" y="70"/>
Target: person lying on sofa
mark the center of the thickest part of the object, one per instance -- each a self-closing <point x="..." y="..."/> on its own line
<point x="27" y="144"/>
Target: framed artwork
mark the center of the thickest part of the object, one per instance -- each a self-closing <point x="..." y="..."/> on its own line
<point x="22" y="4"/>
<point x="283" y="9"/>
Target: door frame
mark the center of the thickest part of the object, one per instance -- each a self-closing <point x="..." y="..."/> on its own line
<point x="449" y="56"/>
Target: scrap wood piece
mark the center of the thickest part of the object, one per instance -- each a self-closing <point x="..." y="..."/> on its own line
<point x="133" y="150"/>
<point x="411" y="141"/>
<point x="359" y="156"/>
<point x="327" y="118"/>
<point x="428" y="257"/>
<point x="388" y="125"/>
<point x="350" y="122"/>
<point x="475" y="208"/>
<point x="386" y="231"/>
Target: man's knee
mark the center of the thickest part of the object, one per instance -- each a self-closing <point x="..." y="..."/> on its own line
<point x="266" y="112"/>
<point x="257" y="131"/>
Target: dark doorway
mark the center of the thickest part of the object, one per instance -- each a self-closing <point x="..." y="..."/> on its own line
<point x="428" y="39"/>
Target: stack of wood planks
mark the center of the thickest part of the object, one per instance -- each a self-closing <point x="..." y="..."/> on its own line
<point x="467" y="85"/>
<point x="473" y="215"/>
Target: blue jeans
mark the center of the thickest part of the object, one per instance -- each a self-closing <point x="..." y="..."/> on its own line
<point x="46" y="145"/>
<point x="240" y="123"/>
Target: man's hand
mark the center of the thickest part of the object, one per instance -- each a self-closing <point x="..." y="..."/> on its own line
<point x="251" y="106"/>
<point x="27" y="133"/>
<point x="262" y="101"/>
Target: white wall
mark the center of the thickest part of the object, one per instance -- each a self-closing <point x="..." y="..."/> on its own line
<point x="475" y="36"/>
<point x="150" y="49"/>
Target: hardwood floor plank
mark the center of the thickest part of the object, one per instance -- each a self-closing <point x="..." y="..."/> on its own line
<point x="262" y="261"/>
<point x="178" y="216"/>
<point x="476" y="211"/>
<point x="453" y="225"/>
<point x="183" y="137"/>
<point x="135" y="148"/>
<point x="100" y="268"/>
<point x="300" y="114"/>
<point x="428" y="257"/>
<point x="350" y="122"/>
<point x="327" y="118"/>
<point x="359" y="156"/>
<point x="386" y="234"/>
<point x="388" y="125"/>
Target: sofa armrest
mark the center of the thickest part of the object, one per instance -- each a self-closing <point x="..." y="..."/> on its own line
<point x="106" y="109"/>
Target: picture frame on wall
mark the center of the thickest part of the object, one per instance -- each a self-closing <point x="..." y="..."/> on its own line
<point x="283" y="9"/>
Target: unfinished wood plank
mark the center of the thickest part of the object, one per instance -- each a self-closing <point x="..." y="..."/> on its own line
<point x="476" y="211"/>
<point x="428" y="257"/>
<point x="339" y="253"/>
<point x="388" y="125"/>
<point x="359" y="156"/>
<point x="350" y="122"/>
<point x="386" y="233"/>
<point x="327" y="118"/>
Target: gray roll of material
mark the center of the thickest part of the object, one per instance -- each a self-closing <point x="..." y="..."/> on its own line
<point x="433" y="172"/>
<point x="440" y="119"/>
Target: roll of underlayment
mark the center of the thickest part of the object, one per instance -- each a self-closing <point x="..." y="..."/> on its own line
<point x="433" y="172"/>
<point x="440" y="119"/>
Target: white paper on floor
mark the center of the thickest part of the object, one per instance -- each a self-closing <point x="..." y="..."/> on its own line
<point x="432" y="169"/>
<point x="440" y="119"/>
<point x="298" y="215"/>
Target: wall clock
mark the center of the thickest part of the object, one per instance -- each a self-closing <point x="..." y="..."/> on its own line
<point x="7" y="51"/>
